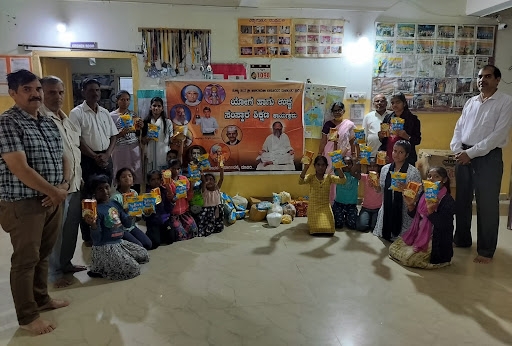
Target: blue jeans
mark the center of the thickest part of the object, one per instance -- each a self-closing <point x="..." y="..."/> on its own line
<point x="138" y="237"/>
<point x="367" y="219"/>
<point x="64" y="248"/>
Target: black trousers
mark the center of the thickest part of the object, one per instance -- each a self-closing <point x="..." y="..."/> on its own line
<point x="483" y="178"/>
<point x="90" y="168"/>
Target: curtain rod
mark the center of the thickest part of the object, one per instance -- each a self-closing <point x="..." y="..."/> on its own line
<point x="26" y="46"/>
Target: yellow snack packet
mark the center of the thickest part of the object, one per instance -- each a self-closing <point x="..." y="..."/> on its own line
<point x="167" y="177"/>
<point x="333" y="135"/>
<point x="374" y="177"/>
<point x="125" y="199"/>
<point x="397" y="178"/>
<point x="127" y="121"/>
<point x="153" y="131"/>
<point x="89" y="207"/>
<point x="381" y="158"/>
<point x="365" y="152"/>
<point x="135" y="205"/>
<point x="308" y="157"/>
<point x="149" y="203"/>
<point x="337" y="159"/>
<point x="396" y="125"/>
<point x="360" y="136"/>
<point x="157" y="195"/>
<point x="431" y="191"/>
<point x="384" y="127"/>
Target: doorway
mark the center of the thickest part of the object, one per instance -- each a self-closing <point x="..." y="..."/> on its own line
<point x="114" y="71"/>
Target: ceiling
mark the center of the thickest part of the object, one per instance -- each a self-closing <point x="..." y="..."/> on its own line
<point x="356" y="5"/>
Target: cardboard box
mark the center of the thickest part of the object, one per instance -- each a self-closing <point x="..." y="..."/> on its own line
<point x="428" y="158"/>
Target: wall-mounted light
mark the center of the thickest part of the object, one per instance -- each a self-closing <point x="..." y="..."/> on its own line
<point x="359" y="52"/>
<point x="61" y="27"/>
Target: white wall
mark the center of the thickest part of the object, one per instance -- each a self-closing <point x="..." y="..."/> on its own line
<point x="114" y="25"/>
<point x="122" y="67"/>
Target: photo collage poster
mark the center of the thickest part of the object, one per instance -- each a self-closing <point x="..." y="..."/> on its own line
<point x="264" y="37"/>
<point x="317" y="38"/>
<point x="434" y="65"/>
<point x="318" y="100"/>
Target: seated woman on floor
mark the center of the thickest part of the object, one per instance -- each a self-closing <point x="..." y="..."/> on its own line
<point x="428" y="242"/>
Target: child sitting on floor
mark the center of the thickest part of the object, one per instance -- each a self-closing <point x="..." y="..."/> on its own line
<point x="111" y="256"/>
<point x="124" y="180"/>
<point x="211" y="218"/>
<point x="157" y="224"/>
<point x="344" y="207"/>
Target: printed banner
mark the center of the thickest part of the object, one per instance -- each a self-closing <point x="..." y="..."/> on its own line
<point x="318" y="100"/>
<point x="264" y="37"/>
<point x="317" y="38"/>
<point x="253" y="125"/>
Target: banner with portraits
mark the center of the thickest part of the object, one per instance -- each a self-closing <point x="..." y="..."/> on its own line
<point x="255" y="126"/>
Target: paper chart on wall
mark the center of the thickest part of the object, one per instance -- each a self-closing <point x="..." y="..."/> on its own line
<point x="20" y="63"/>
<point x="438" y="66"/>
<point x="480" y="62"/>
<point x="318" y="100"/>
<point x="424" y="66"/>
<point x="317" y="38"/>
<point x="3" y="70"/>
<point x="452" y="66"/>
<point x="466" y="66"/>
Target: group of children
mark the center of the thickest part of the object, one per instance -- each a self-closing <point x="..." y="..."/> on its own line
<point x="119" y="246"/>
<point x="421" y="231"/>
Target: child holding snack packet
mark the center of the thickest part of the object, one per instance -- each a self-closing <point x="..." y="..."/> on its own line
<point x="393" y="219"/>
<point x="157" y="148"/>
<point x="428" y="243"/>
<point x="320" y="216"/>
<point x="157" y="223"/>
<point x="211" y="218"/>
<point x="111" y="256"/>
<point x="344" y="207"/>
<point x="411" y="130"/>
<point x="372" y="200"/>
<point x="180" y="192"/>
<point x="124" y="181"/>
<point x="344" y="128"/>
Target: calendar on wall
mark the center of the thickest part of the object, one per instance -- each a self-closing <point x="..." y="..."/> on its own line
<point x="434" y="65"/>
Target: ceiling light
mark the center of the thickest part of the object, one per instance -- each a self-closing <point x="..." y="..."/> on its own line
<point x="61" y="27"/>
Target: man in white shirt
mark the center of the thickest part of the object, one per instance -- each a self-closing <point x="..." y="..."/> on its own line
<point x="98" y="134"/>
<point x="372" y="121"/>
<point x="64" y="248"/>
<point x="277" y="152"/>
<point x="209" y="125"/>
<point x="479" y="136"/>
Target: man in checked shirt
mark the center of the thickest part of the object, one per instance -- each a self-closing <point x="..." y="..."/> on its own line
<point x="34" y="180"/>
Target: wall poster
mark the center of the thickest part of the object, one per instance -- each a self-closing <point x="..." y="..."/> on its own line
<point x="264" y="37"/>
<point x="317" y="38"/>
<point x="434" y="65"/>
<point x="318" y="100"/>
<point x="12" y="63"/>
<point x="253" y="125"/>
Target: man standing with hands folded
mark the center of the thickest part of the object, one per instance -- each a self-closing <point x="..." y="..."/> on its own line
<point x="33" y="185"/>
<point x="479" y="136"/>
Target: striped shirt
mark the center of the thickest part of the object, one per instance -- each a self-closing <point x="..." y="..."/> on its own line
<point x="41" y="142"/>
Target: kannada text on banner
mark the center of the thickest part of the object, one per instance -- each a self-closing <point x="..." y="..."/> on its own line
<point x="254" y="125"/>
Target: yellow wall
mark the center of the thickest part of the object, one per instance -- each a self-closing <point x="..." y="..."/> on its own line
<point x="436" y="129"/>
<point x="6" y="102"/>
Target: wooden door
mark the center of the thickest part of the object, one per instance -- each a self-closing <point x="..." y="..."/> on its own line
<point x="60" y="68"/>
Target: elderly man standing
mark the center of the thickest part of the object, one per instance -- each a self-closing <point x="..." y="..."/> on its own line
<point x="479" y="136"/>
<point x="33" y="186"/>
<point x="277" y="152"/>
<point x="64" y="249"/>
<point x="98" y="134"/>
<point x="372" y="121"/>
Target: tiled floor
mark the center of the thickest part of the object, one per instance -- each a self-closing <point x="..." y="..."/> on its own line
<point x="252" y="285"/>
